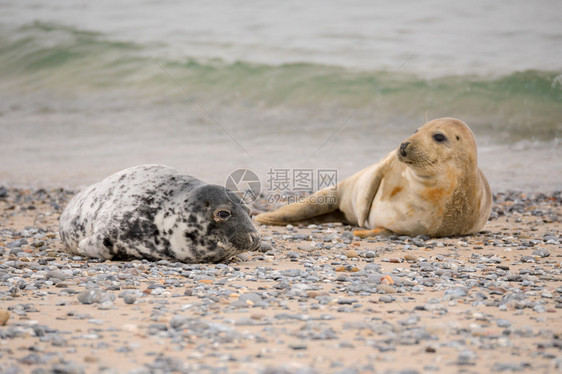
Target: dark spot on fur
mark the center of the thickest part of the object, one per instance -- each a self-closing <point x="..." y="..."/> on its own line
<point x="108" y="243"/>
<point x="191" y="236"/>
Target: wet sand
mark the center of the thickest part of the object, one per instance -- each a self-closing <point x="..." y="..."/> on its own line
<point x="315" y="300"/>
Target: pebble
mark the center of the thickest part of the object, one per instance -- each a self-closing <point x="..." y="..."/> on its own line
<point x="386" y="299"/>
<point x="503" y="323"/>
<point x="4" y="317"/>
<point x="456" y="292"/>
<point x="90" y="296"/>
<point x="298" y="347"/>
<point x="386" y="288"/>
<point x="542" y="252"/>
<point x="466" y="357"/>
<point x="17" y="243"/>
<point x="265" y="247"/>
<point x="510" y="367"/>
<point x="129" y="298"/>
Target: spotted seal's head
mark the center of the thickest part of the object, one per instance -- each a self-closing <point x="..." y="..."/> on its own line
<point x="438" y="144"/>
<point x="224" y="223"/>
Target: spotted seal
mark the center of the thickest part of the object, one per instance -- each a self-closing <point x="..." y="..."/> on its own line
<point x="430" y="185"/>
<point x="154" y="212"/>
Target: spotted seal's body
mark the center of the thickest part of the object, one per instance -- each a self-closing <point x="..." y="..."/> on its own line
<point x="154" y="212"/>
<point x="431" y="185"/>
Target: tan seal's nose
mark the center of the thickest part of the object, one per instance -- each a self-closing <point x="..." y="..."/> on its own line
<point x="403" y="147"/>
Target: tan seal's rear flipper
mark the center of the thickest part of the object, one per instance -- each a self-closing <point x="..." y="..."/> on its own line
<point x="349" y="202"/>
<point x="321" y="207"/>
<point x="374" y="232"/>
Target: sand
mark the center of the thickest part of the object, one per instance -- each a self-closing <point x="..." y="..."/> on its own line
<point x="315" y="302"/>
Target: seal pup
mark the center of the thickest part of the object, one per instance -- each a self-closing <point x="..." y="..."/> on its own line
<point x="431" y="185"/>
<point x="154" y="212"/>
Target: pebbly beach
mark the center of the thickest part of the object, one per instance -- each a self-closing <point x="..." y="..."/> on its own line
<point x="282" y="99"/>
<point x="314" y="299"/>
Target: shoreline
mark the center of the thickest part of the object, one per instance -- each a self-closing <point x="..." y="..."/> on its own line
<point x="317" y="300"/>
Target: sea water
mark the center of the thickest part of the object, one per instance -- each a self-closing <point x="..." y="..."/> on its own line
<point x="89" y="88"/>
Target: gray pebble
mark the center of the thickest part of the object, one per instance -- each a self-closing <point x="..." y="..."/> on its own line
<point x="546" y="295"/>
<point x="179" y="321"/>
<point x="386" y="298"/>
<point x="67" y="368"/>
<point x="347" y="235"/>
<point x="17" y="244"/>
<point x="466" y="357"/>
<point x="456" y="292"/>
<point x="542" y="252"/>
<point x="503" y="323"/>
<point x="58" y="274"/>
<point x="510" y="366"/>
<point x="250" y="297"/>
<point x="129" y="298"/>
<point x="265" y="247"/>
<point x="58" y="341"/>
<point x="90" y="296"/>
<point x="105" y="305"/>
<point x="298" y="346"/>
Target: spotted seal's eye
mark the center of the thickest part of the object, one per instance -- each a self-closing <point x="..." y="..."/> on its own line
<point x="439" y="138"/>
<point x="223" y="214"/>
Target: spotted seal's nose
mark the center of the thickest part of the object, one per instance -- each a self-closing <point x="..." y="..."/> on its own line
<point x="255" y="239"/>
<point x="403" y="147"/>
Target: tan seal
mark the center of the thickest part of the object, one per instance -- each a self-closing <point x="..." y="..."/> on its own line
<point x="431" y="185"/>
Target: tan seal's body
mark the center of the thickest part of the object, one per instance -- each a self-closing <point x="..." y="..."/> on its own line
<point x="431" y="185"/>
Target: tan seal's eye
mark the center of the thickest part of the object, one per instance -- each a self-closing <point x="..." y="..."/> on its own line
<point x="223" y="214"/>
<point x="439" y="138"/>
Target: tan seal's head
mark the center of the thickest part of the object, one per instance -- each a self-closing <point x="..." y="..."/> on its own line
<point x="438" y="143"/>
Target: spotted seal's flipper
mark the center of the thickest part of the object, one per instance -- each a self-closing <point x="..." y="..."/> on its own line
<point x="93" y="247"/>
<point x="320" y="207"/>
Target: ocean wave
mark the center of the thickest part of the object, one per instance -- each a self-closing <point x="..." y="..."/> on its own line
<point x="516" y="106"/>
